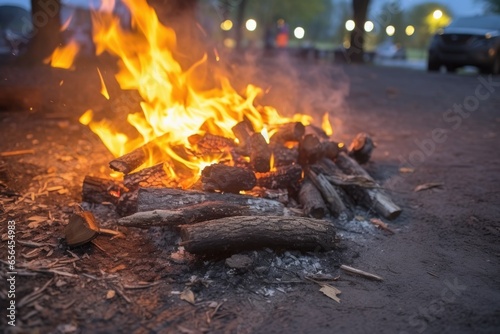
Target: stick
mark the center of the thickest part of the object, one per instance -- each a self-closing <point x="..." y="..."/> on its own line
<point x="311" y="200"/>
<point x="361" y="273"/>
<point x="281" y="178"/>
<point x="330" y="194"/>
<point x="14" y="153"/>
<point x="232" y="234"/>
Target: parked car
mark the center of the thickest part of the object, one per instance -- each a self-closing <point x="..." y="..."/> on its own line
<point x="467" y="41"/>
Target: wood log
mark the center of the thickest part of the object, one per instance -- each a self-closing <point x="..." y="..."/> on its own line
<point x="98" y="190"/>
<point x="284" y="156"/>
<point x="281" y="178"/>
<point x="132" y="160"/>
<point x="330" y="149"/>
<point x="127" y="203"/>
<point x="211" y="144"/>
<point x="149" y="199"/>
<point x="234" y="234"/>
<point x="260" y="153"/>
<point x="374" y="198"/>
<point x="337" y="177"/>
<point x="318" y="132"/>
<point x="289" y="132"/>
<point x="312" y="202"/>
<point x="191" y="214"/>
<point x="310" y="149"/>
<point x="243" y="131"/>
<point x="361" y="148"/>
<point x="227" y="178"/>
<point x="154" y="176"/>
<point x="330" y="195"/>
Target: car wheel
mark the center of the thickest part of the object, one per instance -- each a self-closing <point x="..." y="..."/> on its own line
<point x="433" y="66"/>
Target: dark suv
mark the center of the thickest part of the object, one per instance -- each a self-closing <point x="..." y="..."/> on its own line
<point x="467" y="41"/>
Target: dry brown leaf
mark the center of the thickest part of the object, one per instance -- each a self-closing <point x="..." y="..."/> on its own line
<point x="331" y="292"/>
<point x="117" y="268"/>
<point x="429" y="185"/>
<point x="406" y="170"/>
<point x="110" y="294"/>
<point x="188" y="296"/>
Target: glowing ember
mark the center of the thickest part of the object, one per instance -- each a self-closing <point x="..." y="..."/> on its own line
<point x="64" y="56"/>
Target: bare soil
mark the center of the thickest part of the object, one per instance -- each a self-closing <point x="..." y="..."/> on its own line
<point x="440" y="268"/>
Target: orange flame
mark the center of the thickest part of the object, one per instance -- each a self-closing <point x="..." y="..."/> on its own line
<point x="326" y="126"/>
<point x="173" y="107"/>
<point x="104" y="90"/>
<point x="64" y="56"/>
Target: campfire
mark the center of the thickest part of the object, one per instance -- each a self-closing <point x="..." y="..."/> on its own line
<point x="196" y="155"/>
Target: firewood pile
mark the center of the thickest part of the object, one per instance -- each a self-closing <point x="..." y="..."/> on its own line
<point x="275" y="194"/>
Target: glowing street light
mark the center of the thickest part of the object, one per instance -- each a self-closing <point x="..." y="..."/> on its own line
<point x="251" y="25"/>
<point x="226" y="25"/>
<point x="390" y="30"/>
<point x="299" y="32"/>
<point x="369" y="26"/>
<point x="350" y="25"/>
<point x="437" y="14"/>
<point x="410" y="30"/>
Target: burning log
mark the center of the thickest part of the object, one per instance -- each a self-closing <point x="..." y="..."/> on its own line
<point x="371" y="198"/>
<point x="98" y="190"/>
<point x="289" y="132"/>
<point x="310" y="149"/>
<point x="330" y="194"/>
<point x="260" y="154"/>
<point x="243" y="131"/>
<point x="281" y="178"/>
<point x="211" y="144"/>
<point x="233" y="234"/>
<point x="149" y="199"/>
<point x="312" y="202"/>
<point x="130" y="161"/>
<point x="191" y="214"/>
<point x="154" y="176"/>
<point x="361" y="148"/>
<point x="227" y="178"/>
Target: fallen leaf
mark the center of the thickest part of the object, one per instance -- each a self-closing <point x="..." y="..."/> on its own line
<point x="117" y="268"/>
<point x="429" y="185"/>
<point x="331" y="292"/>
<point x="381" y="224"/>
<point x="110" y="294"/>
<point x="406" y="170"/>
<point x="188" y="296"/>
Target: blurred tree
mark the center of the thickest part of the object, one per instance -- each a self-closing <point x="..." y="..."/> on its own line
<point x="46" y="36"/>
<point x="356" y="49"/>
<point x="425" y="23"/>
<point x="492" y="6"/>
<point x="343" y="11"/>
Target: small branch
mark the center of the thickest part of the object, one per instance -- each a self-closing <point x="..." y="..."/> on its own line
<point x="14" y="153"/>
<point x="361" y="273"/>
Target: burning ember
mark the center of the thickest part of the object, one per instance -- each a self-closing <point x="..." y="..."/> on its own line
<point x="176" y="106"/>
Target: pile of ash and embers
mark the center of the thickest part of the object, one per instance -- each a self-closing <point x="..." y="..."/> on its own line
<point x="315" y="182"/>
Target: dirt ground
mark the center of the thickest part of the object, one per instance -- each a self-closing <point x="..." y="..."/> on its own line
<point x="441" y="267"/>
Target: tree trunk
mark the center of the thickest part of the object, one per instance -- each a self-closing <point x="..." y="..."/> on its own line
<point x="46" y="29"/>
<point x="240" y="23"/>
<point x="356" y="51"/>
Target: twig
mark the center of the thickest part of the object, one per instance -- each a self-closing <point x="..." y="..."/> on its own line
<point x="34" y="295"/>
<point x="35" y="244"/>
<point x="140" y="286"/>
<point x="361" y="273"/>
<point x="13" y="153"/>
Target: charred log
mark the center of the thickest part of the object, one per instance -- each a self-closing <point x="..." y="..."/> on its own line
<point x="243" y="131"/>
<point x="376" y="198"/>
<point x="227" y="178"/>
<point x="242" y="232"/>
<point x="312" y="202"/>
<point x="310" y="149"/>
<point x="154" y="176"/>
<point x="130" y="161"/>
<point x="188" y="215"/>
<point x="98" y="190"/>
<point x="260" y="154"/>
<point x="281" y="178"/>
<point x="361" y="148"/>
<point x="150" y="199"/>
<point x="289" y="132"/>
<point x="211" y="144"/>
<point x="330" y="195"/>
<point x="284" y="156"/>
